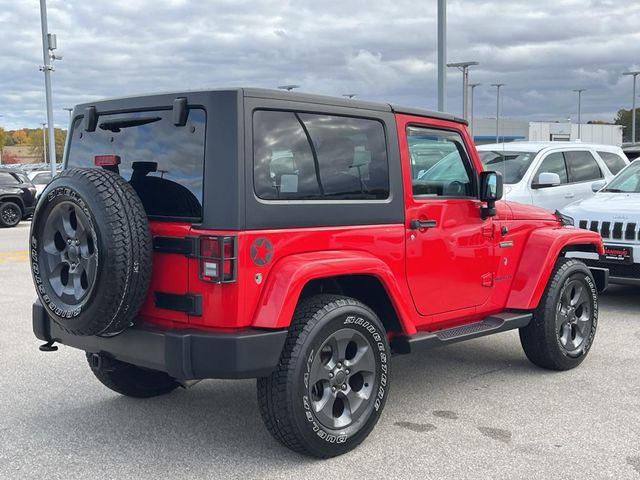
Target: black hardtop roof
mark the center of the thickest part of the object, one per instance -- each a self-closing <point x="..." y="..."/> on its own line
<point x="288" y="96"/>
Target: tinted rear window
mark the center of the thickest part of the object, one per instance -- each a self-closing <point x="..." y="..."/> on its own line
<point x="164" y="163"/>
<point x="7" y="178"/>
<point x="42" y="179"/>
<point x="582" y="166"/>
<point x="614" y="162"/>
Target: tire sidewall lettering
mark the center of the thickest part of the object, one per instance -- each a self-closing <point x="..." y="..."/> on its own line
<point x="59" y="194"/>
<point x="371" y="331"/>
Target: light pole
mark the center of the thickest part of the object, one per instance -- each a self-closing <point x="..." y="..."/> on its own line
<point x="49" y="44"/>
<point x="498" y="86"/>
<point x="472" y="87"/>
<point x="44" y="142"/>
<point x="442" y="55"/>
<point x="69" y="110"/>
<point x="633" y="108"/>
<point x="579" y="90"/>
<point x="464" y="68"/>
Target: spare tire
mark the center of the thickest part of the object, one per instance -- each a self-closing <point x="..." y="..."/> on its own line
<point x="91" y="252"/>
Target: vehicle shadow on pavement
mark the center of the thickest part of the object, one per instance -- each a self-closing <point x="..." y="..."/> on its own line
<point x="218" y="422"/>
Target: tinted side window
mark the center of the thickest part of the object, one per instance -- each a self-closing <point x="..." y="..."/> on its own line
<point x="439" y="163"/>
<point x="301" y="156"/>
<point x="7" y="179"/>
<point x="42" y="179"/>
<point x="582" y="166"/>
<point x="614" y="162"/>
<point x="553" y="163"/>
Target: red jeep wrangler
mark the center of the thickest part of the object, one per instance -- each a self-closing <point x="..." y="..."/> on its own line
<point x="297" y="239"/>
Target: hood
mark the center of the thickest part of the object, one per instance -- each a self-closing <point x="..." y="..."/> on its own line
<point x="608" y="204"/>
<point x="520" y="211"/>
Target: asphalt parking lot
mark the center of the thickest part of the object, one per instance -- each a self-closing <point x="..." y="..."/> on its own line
<point x="472" y="410"/>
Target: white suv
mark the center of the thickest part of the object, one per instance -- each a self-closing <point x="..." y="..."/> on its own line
<point x="614" y="212"/>
<point x="552" y="174"/>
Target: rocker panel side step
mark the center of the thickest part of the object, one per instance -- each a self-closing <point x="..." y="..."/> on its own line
<point x="500" y="322"/>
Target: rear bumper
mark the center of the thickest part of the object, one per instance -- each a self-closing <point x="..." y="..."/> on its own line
<point x="187" y="354"/>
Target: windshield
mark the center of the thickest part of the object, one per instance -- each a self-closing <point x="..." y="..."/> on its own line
<point x="627" y="181"/>
<point x="513" y="165"/>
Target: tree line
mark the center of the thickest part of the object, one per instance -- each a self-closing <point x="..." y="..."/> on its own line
<point x="32" y="137"/>
<point x="623" y="117"/>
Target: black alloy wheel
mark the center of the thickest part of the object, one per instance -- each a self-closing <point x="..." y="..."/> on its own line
<point x="91" y="252"/>
<point x="332" y="382"/>
<point x="564" y="325"/>
<point x="341" y="379"/>
<point x="70" y="251"/>
<point x="573" y="319"/>
<point x="10" y="214"/>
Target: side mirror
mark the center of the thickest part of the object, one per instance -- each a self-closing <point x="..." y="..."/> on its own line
<point x="547" y="179"/>
<point x="599" y="185"/>
<point x="491" y="188"/>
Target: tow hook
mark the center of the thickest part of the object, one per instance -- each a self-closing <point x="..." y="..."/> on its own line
<point x="48" y="347"/>
<point x="96" y="361"/>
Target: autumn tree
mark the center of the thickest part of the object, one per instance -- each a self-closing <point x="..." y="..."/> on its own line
<point x="20" y="137"/>
<point x="623" y="117"/>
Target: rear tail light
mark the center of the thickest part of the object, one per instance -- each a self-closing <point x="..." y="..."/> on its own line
<point x="217" y="259"/>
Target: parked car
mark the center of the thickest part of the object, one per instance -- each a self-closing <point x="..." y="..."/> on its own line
<point x="40" y="179"/>
<point x="299" y="248"/>
<point x="552" y="174"/>
<point x="614" y="212"/>
<point x="17" y="197"/>
<point x="631" y="150"/>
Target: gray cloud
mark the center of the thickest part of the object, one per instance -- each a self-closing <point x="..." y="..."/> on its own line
<point x="381" y="50"/>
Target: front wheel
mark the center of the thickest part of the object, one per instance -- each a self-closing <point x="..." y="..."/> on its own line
<point x="564" y="325"/>
<point x="10" y="214"/>
<point x="332" y="381"/>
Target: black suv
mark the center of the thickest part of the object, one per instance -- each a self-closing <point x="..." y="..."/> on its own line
<point x="17" y="197"/>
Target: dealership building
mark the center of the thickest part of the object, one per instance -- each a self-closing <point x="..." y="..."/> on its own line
<point x="484" y="131"/>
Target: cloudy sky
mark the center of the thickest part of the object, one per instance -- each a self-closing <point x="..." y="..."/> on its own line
<point x="381" y="50"/>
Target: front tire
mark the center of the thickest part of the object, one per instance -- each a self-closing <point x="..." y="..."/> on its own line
<point x="10" y="214"/>
<point x="564" y="325"/>
<point x="332" y="382"/>
<point x="130" y="380"/>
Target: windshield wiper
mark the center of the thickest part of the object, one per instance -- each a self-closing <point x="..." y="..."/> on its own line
<point x="116" y="125"/>
<point x="613" y="190"/>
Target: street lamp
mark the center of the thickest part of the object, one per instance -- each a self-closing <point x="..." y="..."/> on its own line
<point x="442" y="55"/>
<point x="288" y="88"/>
<point x="472" y="87"/>
<point x="497" y="85"/>
<point x="49" y="44"/>
<point x="464" y="68"/>
<point x="579" y="90"/>
<point x="633" y="109"/>
<point x="69" y="110"/>
<point x="44" y="142"/>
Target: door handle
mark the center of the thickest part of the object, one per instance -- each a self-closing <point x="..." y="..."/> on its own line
<point x="569" y="195"/>
<point x="416" y="224"/>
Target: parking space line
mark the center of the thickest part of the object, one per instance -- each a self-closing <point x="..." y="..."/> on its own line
<point x="14" y="256"/>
